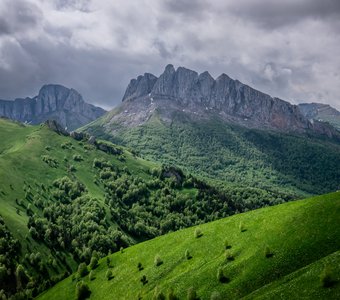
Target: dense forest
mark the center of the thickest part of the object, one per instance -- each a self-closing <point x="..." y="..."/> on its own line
<point x="235" y="156"/>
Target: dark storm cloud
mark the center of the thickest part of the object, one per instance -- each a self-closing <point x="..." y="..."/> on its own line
<point x="273" y="14"/>
<point x="187" y="8"/>
<point x="287" y="48"/>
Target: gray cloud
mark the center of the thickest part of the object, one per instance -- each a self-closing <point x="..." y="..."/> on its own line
<point x="287" y="49"/>
<point x="273" y="14"/>
<point x="18" y="16"/>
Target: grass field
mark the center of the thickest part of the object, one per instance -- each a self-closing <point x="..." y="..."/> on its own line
<point x="275" y="253"/>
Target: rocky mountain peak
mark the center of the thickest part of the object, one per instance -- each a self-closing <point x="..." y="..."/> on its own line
<point x="225" y="97"/>
<point x="140" y="87"/>
<point x="54" y="102"/>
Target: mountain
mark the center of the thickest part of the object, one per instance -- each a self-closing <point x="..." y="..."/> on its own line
<point x="53" y="102"/>
<point x="289" y="251"/>
<point x="224" y="130"/>
<point x="321" y="112"/>
<point x="65" y="198"/>
<point x="202" y="95"/>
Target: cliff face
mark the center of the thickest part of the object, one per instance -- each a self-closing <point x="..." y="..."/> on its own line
<point x="230" y="99"/>
<point x="57" y="102"/>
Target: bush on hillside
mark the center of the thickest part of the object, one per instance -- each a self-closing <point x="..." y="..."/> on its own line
<point x="72" y="168"/>
<point x="82" y="270"/>
<point x="52" y="162"/>
<point x="171" y="295"/>
<point x="140" y="266"/>
<point x="221" y="277"/>
<point x="21" y="277"/>
<point x="242" y="227"/>
<point x="268" y="253"/>
<point x="158" y="261"/>
<point x="94" y="263"/>
<point x="108" y="274"/>
<point x="187" y="254"/>
<point x="191" y="294"/>
<point x="91" y="275"/>
<point x="82" y="291"/>
<point x="227" y="245"/>
<point x="229" y="256"/>
<point x="327" y="277"/>
<point x="198" y="233"/>
<point x="77" y="157"/>
<point x="144" y="280"/>
<point x="108" y="262"/>
<point x="158" y="294"/>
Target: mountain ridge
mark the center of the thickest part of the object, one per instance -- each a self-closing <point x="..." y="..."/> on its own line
<point x="232" y="100"/>
<point x="53" y="101"/>
<point x="321" y="112"/>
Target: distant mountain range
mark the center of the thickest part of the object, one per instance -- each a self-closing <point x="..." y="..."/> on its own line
<point x="57" y="102"/>
<point x="321" y="112"/>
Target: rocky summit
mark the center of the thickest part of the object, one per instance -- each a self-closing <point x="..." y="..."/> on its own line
<point x="54" y="102"/>
<point x="202" y="96"/>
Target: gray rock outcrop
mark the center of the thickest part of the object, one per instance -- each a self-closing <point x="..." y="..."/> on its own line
<point x="56" y="127"/>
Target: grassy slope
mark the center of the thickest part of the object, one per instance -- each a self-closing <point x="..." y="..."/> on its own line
<point x="234" y="155"/>
<point x="21" y="149"/>
<point x="302" y="235"/>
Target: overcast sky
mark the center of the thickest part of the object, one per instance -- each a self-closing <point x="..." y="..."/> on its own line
<point x="289" y="49"/>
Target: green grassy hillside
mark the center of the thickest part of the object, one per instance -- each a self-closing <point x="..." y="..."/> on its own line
<point x="64" y="202"/>
<point x="239" y="157"/>
<point x="31" y="159"/>
<point x="271" y="253"/>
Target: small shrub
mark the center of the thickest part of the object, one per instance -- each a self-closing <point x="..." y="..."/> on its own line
<point x="158" y="294"/>
<point x="91" y="275"/>
<point x="144" y="280"/>
<point x="198" y="233"/>
<point x="242" y="227"/>
<point x="82" y="270"/>
<point x="187" y="254"/>
<point x="327" y="277"/>
<point x="121" y="249"/>
<point x="66" y="145"/>
<point x="171" y="295"/>
<point x="52" y="162"/>
<point x="108" y="262"/>
<point x="82" y="291"/>
<point x="108" y="274"/>
<point x="221" y="277"/>
<point x="77" y="157"/>
<point x="47" y="148"/>
<point x="227" y="244"/>
<point x="158" y="261"/>
<point x="229" y="256"/>
<point x="268" y="253"/>
<point x="93" y="263"/>
<point x="191" y="294"/>
<point x="21" y="277"/>
<point x="72" y="168"/>
<point x="140" y="266"/>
